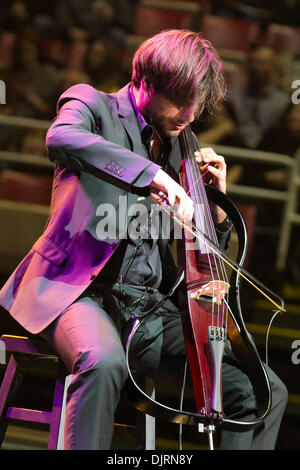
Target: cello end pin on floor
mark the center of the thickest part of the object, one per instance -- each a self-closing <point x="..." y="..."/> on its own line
<point x="209" y="429"/>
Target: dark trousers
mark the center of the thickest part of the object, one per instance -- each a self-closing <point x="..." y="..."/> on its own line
<point x="90" y="344"/>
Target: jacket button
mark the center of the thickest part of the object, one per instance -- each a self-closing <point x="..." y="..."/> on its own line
<point x="92" y="277"/>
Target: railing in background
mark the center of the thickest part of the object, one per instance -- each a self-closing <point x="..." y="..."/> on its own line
<point x="288" y="197"/>
<point x="23" y="177"/>
<point x="29" y="123"/>
<point x="291" y="215"/>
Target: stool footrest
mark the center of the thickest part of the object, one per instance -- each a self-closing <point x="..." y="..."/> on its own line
<point x="26" y="414"/>
<point x="25" y="345"/>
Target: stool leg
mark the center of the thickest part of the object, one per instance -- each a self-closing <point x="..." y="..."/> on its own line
<point x="150" y="420"/>
<point x="57" y="407"/>
<point x="60" y="443"/>
<point x="146" y="432"/>
<point x="12" y="380"/>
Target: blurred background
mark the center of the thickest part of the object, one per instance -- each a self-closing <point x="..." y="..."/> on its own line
<point x="46" y="47"/>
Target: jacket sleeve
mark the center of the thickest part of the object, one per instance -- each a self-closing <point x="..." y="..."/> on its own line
<point x="72" y="141"/>
<point x="224" y="234"/>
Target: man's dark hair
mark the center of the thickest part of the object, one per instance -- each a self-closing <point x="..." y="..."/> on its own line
<point x="183" y="67"/>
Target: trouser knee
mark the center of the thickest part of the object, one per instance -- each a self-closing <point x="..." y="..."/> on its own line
<point x="279" y="392"/>
<point x="109" y="369"/>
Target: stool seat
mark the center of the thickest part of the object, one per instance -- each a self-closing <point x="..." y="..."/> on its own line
<point x="23" y="350"/>
<point x="23" y="344"/>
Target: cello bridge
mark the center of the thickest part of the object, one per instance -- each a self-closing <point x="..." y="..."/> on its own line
<point x="216" y="289"/>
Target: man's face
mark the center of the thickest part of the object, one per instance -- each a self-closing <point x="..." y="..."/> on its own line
<point x="167" y="119"/>
<point x="293" y="122"/>
<point x="262" y="65"/>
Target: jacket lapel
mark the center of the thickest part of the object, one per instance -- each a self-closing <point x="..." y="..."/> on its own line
<point x="129" y="121"/>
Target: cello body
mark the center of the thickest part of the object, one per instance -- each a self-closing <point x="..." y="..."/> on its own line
<point x="210" y="303"/>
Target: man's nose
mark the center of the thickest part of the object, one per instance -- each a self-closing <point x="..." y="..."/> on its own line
<point x="187" y="117"/>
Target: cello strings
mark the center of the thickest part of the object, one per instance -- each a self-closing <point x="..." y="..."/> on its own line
<point x="192" y="177"/>
<point x="220" y="265"/>
<point x="213" y="236"/>
<point x="217" y="262"/>
<point x="198" y="178"/>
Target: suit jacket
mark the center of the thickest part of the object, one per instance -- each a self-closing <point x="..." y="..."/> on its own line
<point x="100" y="162"/>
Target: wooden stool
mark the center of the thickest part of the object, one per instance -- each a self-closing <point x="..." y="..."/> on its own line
<point x="23" y="350"/>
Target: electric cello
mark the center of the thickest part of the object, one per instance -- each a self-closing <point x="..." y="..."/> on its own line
<point x="212" y="316"/>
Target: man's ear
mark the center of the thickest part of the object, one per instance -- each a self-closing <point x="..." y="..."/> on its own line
<point x="148" y="88"/>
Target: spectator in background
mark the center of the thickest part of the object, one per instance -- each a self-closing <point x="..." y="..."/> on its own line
<point x="14" y="15"/>
<point x="285" y="138"/>
<point x="92" y="19"/>
<point x="72" y="77"/>
<point x="104" y="67"/>
<point x="254" y="107"/>
<point x="34" y="82"/>
<point x="268" y="11"/>
<point x="33" y="87"/>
